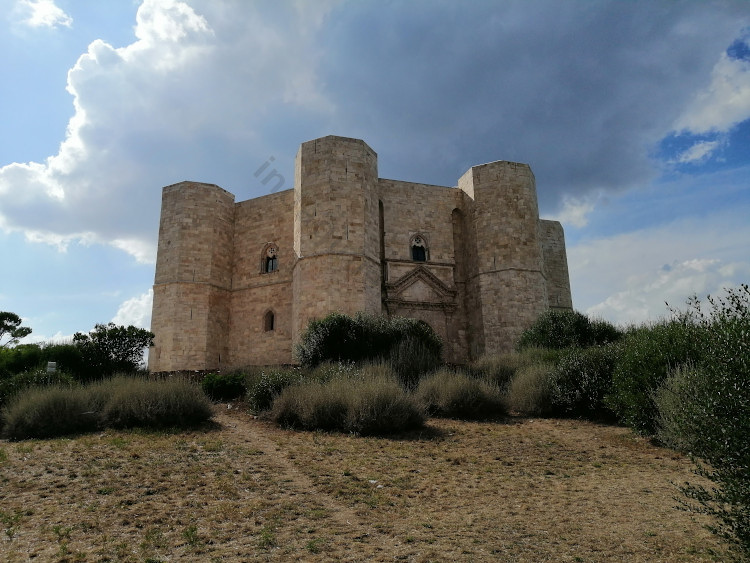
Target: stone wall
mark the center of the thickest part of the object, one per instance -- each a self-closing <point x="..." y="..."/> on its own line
<point x="260" y="222"/>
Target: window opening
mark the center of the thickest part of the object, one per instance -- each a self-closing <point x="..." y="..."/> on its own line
<point x="268" y="321"/>
<point x="418" y="249"/>
<point x="270" y="260"/>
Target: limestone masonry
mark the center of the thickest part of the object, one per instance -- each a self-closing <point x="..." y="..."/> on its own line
<point x="237" y="283"/>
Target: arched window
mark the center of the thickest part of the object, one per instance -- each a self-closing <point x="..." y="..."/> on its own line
<point x="269" y="259"/>
<point x="418" y="248"/>
<point x="268" y="321"/>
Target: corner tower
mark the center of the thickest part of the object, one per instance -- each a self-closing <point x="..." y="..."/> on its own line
<point x="336" y="231"/>
<point x="193" y="279"/>
<point x="506" y="283"/>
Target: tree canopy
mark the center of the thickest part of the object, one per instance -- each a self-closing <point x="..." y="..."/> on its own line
<point x="10" y="327"/>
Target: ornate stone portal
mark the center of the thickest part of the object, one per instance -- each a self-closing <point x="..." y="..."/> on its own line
<point x="236" y="283"/>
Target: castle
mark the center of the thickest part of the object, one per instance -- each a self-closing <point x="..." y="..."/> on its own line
<point x="237" y="283"/>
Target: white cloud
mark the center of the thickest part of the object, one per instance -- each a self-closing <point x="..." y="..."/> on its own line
<point x="169" y="106"/>
<point x="136" y="311"/>
<point x="575" y="211"/>
<point x="44" y="13"/>
<point x="699" y="152"/>
<point x="724" y="103"/>
<point x="628" y="278"/>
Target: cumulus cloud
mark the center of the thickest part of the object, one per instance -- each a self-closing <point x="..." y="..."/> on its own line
<point x="724" y="103"/>
<point x="628" y="278"/>
<point x="43" y="13"/>
<point x="180" y="102"/>
<point x="136" y="311"/>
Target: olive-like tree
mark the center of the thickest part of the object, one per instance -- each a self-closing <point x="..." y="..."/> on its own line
<point x="10" y="328"/>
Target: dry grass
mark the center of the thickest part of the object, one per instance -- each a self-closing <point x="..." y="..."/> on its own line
<point x="528" y="490"/>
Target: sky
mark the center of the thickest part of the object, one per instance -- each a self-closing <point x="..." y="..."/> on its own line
<point x="634" y="117"/>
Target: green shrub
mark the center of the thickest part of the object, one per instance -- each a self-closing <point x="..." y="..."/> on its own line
<point x="704" y="409"/>
<point x="362" y="404"/>
<point x="23" y="357"/>
<point x="530" y="391"/>
<point x="68" y="358"/>
<point x="31" y="378"/>
<point x="137" y="402"/>
<point x="264" y="386"/>
<point x="557" y="329"/>
<point x="121" y="402"/>
<point x="647" y="354"/>
<point x="581" y="379"/>
<point x="409" y="345"/>
<point x="45" y="412"/>
<point x="456" y="395"/>
<point x="224" y="386"/>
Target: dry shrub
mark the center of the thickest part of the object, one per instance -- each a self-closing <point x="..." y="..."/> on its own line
<point x="45" y="412"/>
<point x="530" y="391"/>
<point x="364" y="405"/>
<point x="118" y="402"/>
<point x="500" y="369"/>
<point x="136" y="402"/>
<point x="456" y="395"/>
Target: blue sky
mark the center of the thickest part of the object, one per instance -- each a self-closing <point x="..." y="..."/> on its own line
<point x="634" y="116"/>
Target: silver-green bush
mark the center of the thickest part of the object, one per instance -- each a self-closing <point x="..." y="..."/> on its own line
<point x="530" y="391"/>
<point x="454" y="394"/>
<point x="364" y="404"/>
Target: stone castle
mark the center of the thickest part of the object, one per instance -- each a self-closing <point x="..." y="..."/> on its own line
<point x="237" y="283"/>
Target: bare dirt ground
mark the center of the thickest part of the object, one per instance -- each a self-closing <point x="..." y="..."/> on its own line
<point x="244" y="490"/>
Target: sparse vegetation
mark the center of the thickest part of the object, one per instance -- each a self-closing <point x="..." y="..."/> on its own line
<point x="268" y="493"/>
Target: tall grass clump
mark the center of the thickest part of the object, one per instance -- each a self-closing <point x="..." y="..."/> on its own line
<point x="264" y="386"/>
<point x="39" y="377"/>
<point x="501" y="368"/>
<point x="531" y="390"/>
<point x="410" y="346"/>
<point x="136" y="402"/>
<point x="46" y="412"/>
<point x="558" y="328"/>
<point x="372" y="402"/>
<point x="647" y="355"/>
<point x="582" y="378"/>
<point x="454" y="394"/>
<point x="704" y="409"/>
<point x="120" y="402"/>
